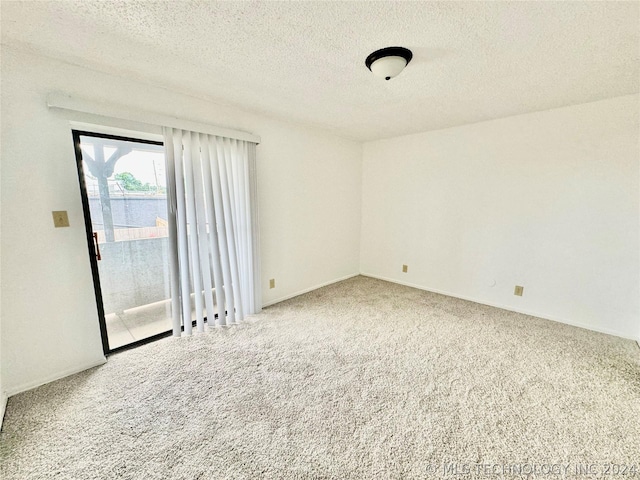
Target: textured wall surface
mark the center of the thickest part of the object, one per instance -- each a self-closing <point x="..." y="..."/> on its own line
<point x="304" y="61"/>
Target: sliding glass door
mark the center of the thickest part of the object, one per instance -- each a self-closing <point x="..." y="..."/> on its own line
<point x="124" y="193"/>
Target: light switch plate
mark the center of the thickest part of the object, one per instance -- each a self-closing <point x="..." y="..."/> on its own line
<point x="405" y="268"/>
<point x="272" y="283"/>
<point x="60" y="218"/>
<point x="518" y="290"/>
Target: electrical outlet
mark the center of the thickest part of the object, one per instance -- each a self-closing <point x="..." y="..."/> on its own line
<point x="60" y="218"/>
<point x="518" y="291"/>
<point x="405" y="268"/>
<point x="272" y="283"/>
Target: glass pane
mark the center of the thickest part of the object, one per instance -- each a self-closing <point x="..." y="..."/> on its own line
<point x="126" y="187"/>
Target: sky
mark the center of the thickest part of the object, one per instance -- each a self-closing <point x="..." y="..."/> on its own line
<point x="147" y="166"/>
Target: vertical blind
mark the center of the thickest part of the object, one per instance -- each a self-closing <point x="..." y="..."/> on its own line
<point x="213" y="229"/>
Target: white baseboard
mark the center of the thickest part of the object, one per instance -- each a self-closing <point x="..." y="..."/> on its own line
<point x="608" y="331"/>
<point x="56" y="376"/>
<point x="307" y="290"/>
<point x="3" y="407"/>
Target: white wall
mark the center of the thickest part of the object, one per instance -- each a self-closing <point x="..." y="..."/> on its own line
<point x="309" y="194"/>
<point x="546" y="200"/>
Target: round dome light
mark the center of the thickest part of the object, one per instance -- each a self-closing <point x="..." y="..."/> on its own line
<point x="388" y="62"/>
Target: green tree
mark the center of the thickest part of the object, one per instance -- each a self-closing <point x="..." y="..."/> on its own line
<point x="131" y="183"/>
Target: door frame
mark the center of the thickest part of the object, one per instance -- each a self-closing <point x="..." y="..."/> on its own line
<point x="91" y="244"/>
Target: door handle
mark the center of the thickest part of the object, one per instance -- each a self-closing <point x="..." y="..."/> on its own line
<point x="95" y="238"/>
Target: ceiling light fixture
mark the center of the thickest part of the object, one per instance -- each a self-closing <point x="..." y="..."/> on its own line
<point x="388" y="62"/>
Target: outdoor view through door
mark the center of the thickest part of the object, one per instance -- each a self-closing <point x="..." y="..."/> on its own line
<point x="125" y="199"/>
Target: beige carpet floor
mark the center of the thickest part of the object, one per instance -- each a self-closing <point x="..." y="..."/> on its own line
<point x="360" y="379"/>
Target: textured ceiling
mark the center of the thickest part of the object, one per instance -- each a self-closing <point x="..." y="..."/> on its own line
<point x="304" y="61"/>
